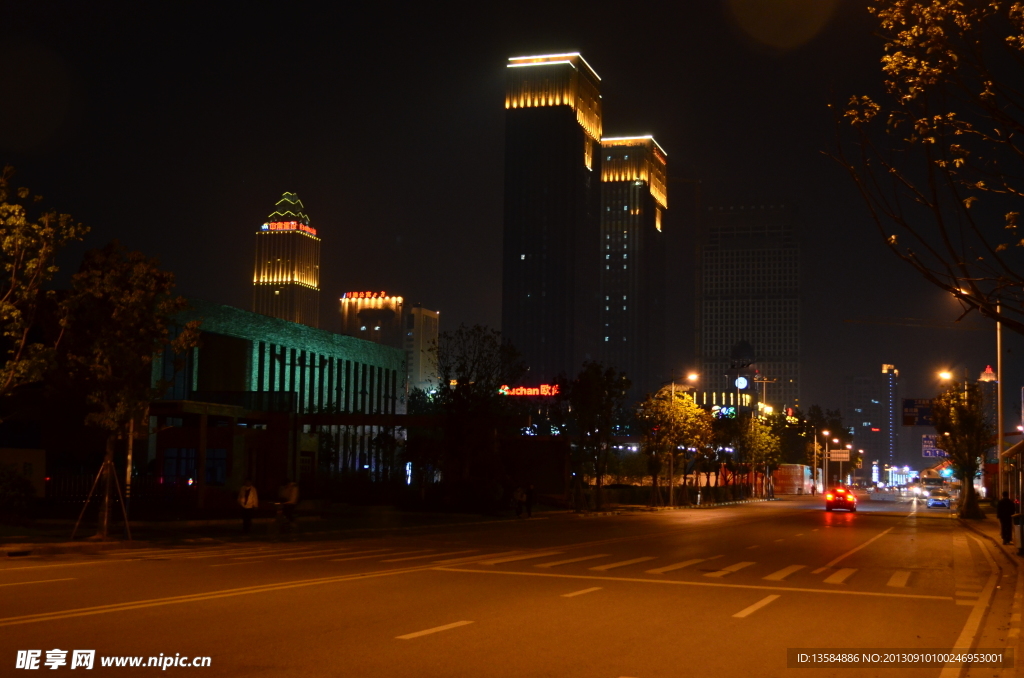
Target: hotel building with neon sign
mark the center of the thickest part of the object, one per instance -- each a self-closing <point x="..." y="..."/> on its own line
<point x="286" y="280"/>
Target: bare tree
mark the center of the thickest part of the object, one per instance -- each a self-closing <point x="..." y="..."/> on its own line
<point x="940" y="161"/>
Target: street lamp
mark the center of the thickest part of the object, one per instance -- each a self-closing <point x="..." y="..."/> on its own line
<point x="824" y="460"/>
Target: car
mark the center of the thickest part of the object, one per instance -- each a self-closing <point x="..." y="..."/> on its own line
<point x="939" y="498"/>
<point x="840" y="498"/>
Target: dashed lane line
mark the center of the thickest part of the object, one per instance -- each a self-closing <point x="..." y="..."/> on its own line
<point x="899" y="579"/>
<point x="371" y="555"/>
<point x="839" y="576"/>
<point x="684" y="582"/>
<point x="852" y="551"/>
<point x="783" y="573"/>
<point x="429" y="555"/>
<point x="39" y="581"/>
<point x="621" y="563"/>
<point x="556" y="563"/>
<point x="580" y="593"/>
<point x="679" y="566"/>
<point x="348" y="552"/>
<point x="735" y="567"/>
<point x="436" y="629"/>
<point x="521" y="556"/>
<point x="747" y="611"/>
<point x="470" y="559"/>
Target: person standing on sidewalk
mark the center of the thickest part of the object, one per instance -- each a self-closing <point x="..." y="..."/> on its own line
<point x="249" y="501"/>
<point x="1005" y="508"/>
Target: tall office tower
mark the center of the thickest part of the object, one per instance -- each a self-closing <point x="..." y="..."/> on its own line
<point x="870" y="410"/>
<point x="748" y="289"/>
<point x="550" y="256"/>
<point x="632" y="264"/>
<point x="373" y="316"/>
<point x="988" y="384"/>
<point x="286" y="282"/>
<point x="421" y="330"/>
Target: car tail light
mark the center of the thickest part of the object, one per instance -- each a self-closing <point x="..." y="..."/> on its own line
<point x="828" y="497"/>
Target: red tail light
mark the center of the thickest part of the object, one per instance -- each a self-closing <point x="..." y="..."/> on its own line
<point x="828" y="497"/>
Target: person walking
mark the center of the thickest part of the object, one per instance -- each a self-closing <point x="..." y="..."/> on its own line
<point x="1005" y="508"/>
<point x="249" y="501"/>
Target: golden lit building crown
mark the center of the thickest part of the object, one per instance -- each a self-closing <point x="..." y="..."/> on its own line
<point x="556" y="80"/>
<point x="645" y="161"/>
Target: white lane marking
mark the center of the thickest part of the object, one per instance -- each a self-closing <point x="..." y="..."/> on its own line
<point x="621" y="563"/>
<point x="727" y="570"/>
<point x="967" y="594"/>
<point x="470" y="559"/>
<point x="755" y="546"/>
<point x="522" y="556"/>
<point x="580" y="593"/>
<point x="571" y="560"/>
<point x="852" y="551"/>
<point x="814" y="530"/>
<point x="839" y="576"/>
<point x="372" y="555"/>
<point x="783" y="573"/>
<point x="40" y="581"/>
<point x="747" y="611"/>
<point x="778" y="540"/>
<point x="676" y="566"/>
<point x="429" y="555"/>
<point x="899" y="578"/>
<point x="334" y="552"/>
<point x="248" y="562"/>
<point x="286" y="552"/>
<point x="84" y="562"/>
<point x="799" y="535"/>
<point x="436" y="629"/>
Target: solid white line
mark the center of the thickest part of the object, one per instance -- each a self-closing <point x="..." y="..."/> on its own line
<point x="436" y="629"/>
<point x="972" y="627"/>
<point x="334" y="552"/>
<point x="783" y="573"/>
<point x="731" y="568"/>
<point x="676" y="566"/>
<point x="621" y="563"/>
<point x="840" y="576"/>
<point x="899" y="578"/>
<point x="580" y="593"/>
<point x="524" y="556"/>
<point x="41" y="581"/>
<point x="571" y="560"/>
<point x="746" y="612"/>
<point x="852" y="551"/>
<point x="471" y="559"/>
<point x="429" y="555"/>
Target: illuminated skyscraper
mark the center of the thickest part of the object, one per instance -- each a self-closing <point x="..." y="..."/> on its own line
<point x="748" y="290"/>
<point x="632" y="260"/>
<point x="871" y="413"/>
<point x="550" y="293"/>
<point x="286" y="282"/>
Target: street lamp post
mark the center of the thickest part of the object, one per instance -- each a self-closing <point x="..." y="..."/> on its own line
<point x="824" y="460"/>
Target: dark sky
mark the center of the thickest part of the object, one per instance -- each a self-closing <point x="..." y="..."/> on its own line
<point x="175" y="127"/>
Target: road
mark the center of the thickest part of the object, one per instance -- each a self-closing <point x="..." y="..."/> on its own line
<point x="720" y="592"/>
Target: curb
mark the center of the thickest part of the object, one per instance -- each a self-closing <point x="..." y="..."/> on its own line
<point x="1009" y="551"/>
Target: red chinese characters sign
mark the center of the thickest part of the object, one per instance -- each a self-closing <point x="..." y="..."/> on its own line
<point x="364" y="295"/>
<point x="545" y="390"/>
<point x="289" y="226"/>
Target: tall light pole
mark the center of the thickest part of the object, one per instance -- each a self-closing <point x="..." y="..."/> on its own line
<point x="824" y="460"/>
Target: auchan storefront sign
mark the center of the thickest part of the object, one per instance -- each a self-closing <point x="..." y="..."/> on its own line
<point x="545" y="390"/>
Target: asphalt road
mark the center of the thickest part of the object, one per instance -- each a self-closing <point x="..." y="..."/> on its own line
<point x="721" y="592"/>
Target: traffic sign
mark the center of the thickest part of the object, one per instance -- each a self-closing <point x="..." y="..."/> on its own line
<point x="917" y="412"/>
<point x="839" y="455"/>
<point x="929" y="446"/>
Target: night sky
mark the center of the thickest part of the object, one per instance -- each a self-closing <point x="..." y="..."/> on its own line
<point x="176" y="126"/>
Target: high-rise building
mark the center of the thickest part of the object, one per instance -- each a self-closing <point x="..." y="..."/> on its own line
<point x="421" y="331"/>
<point x="870" y="410"/>
<point x="988" y="384"/>
<point x="551" y="223"/>
<point x="632" y="260"/>
<point x="373" y="316"/>
<point x="748" y="290"/>
<point x="286" y="281"/>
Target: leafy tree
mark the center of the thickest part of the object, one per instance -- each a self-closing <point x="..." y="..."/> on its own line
<point x="761" y="447"/>
<point x="964" y="434"/>
<point x="119" y="314"/>
<point x="595" y="396"/>
<point x="939" y="161"/>
<point x="671" y="422"/>
<point x="30" y="239"/>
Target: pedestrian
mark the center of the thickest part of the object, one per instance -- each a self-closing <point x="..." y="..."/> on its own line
<point x="1005" y="508"/>
<point x="249" y="501"/>
<point x="290" y="494"/>
<point x="529" y="501"/>
<point x="520" y="498"/>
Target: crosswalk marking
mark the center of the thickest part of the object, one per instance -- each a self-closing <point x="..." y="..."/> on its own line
<point x="580" y="593"/>
<point x="525" y="556"/>
<point x="783" y="573"/>
<point x="429" y="555"/>
<point x="676" y="566"/>
<point x="621" y="563"/>
<point x="571" y="560"/>
<point x="747" y="611"/>
<point x="899" y="578"/>
<point x="729" y="569"/>
<point x="840" y="576"/>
